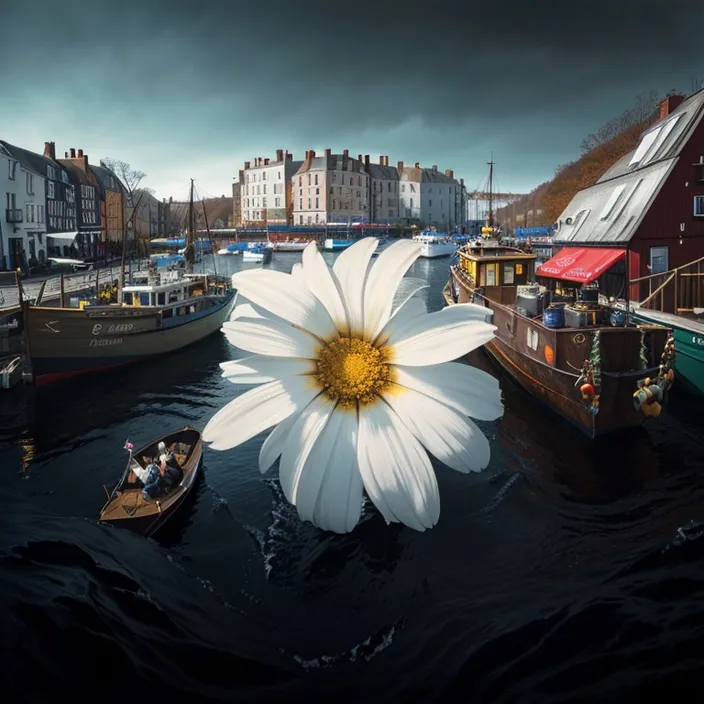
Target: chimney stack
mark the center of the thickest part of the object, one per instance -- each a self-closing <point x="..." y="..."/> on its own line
<point x="50" y="150"/>
<point x="381" y="160"/>
<point x="80" y="154"/>
<point x="359" y="157"/>
<point x="449" y="173"/>
<point x="435" y="167"/>
<point x="417" y="165"/>
<point x="289" y="157"/>
<point x="328" y="152"/>
<point x="307" y="154"/>
<point x="65" y="155"/>
<point x="312" y="154"/>
<point x="399" y="166"/>
<point x="669" y="104"/>
<point x="247" y="165"/>
<point x="366" y="161"/>
<point x="73" y="153"/>
<point x="346" y="153"/>
<point x="279" y="155"/>
<point x="386" y="160"/>
<point x="266" y="162"/>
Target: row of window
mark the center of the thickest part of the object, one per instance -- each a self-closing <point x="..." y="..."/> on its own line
<point x="252" y="177"/>
<point x="261" y="189"/>
<point x="31" y="211"/>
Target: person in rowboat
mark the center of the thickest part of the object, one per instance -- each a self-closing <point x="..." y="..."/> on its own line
<point x="169" y="468"/>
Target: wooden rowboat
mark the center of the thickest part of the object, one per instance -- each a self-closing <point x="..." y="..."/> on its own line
<point x="127" y="508"/>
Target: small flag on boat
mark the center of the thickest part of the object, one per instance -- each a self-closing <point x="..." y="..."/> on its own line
<point x="128" y="445"/>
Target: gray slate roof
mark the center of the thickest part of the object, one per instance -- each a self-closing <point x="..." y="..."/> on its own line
<point x="103" y="175"/>
<point x="611" y="210"/>
<point x="29" y="160"/>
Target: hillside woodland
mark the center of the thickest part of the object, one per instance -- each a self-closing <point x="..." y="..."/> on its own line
<point x="599" y="151"/>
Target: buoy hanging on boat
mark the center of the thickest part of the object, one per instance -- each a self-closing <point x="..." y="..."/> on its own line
<point x="651" y="392"/>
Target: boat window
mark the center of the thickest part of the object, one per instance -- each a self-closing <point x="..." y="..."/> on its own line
<point x="161" y="299"/>
<point x="491" y="274"/>
<point x="144" y="299"/>
<point x="173" y="297"/>
<point x="508" y="277"/>
<point x="127" y="298"/>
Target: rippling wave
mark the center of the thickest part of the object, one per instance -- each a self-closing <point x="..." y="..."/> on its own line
<point x="565" y="572"/>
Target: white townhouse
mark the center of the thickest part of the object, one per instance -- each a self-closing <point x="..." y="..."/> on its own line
<point x="23" y="216"/>
<point x="264" y="191"/>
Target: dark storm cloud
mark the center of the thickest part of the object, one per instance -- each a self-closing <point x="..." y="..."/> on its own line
<point x="427" y="79"/>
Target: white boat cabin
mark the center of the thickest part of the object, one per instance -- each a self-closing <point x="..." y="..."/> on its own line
<point x="180" y="294"/>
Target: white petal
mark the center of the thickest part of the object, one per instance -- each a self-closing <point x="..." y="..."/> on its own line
<point x="383" y="280"/>
<point x="329" y="492"/>
<point x="284" y="296"/>
<point x="469" y="390"/>
<point x="323" y="286"/>
<point x="274" y="444"/>
<point x="300" y="441"/>
<point x="259" y="369"/>
<point x="404" y="315"/>
<point x="395" y="468"/>
<point x="439" y="337"/>
<point x="244" y="310"/>
<point x="271" y="338"/>
<point x="453" y="438"/>
<point x="256" y="410"/>
<point x="350" y="270"/>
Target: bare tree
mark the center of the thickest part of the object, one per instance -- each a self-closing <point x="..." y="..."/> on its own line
<point x="640" y="113"/>
<point x="131" y="178"/>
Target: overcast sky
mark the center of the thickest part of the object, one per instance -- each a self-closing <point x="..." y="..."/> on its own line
<point x="184" y="89"/>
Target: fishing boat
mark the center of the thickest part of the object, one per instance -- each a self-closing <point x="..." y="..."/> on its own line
<point x="588" y="362"/>
<point x="257" y="253"/>
<point x="156" y="312"/>
<point x="10" y="372"/>
<point x="127" y="506"/>
<point x="434" y="244"/>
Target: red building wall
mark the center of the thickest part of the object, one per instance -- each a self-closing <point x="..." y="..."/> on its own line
<point x="674" y="207"/>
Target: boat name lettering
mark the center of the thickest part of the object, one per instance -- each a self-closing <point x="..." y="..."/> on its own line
<point x="97" y="328"/>
<point x="698" y="340"/>
<point x="105" y="341"/>
<point x="121" y="327"/>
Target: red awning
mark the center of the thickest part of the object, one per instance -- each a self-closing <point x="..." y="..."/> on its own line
<point x="583" y="265"/>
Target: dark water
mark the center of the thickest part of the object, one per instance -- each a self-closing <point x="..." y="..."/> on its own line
<point x="561" y="573"/>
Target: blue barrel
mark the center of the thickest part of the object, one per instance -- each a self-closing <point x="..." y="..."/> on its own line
<point x="617" y="318"/>
<point x="554" y="317"/>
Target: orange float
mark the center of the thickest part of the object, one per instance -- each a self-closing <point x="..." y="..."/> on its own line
<point x="549" y="354"/>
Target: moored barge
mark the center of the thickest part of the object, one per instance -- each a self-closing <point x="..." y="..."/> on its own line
<point x="585" y="361"/>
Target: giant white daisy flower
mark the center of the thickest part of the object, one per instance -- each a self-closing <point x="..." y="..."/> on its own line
<point x="357" y="391"/>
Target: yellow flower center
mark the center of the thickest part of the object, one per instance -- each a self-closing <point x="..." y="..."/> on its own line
<point x="353" y="371"/>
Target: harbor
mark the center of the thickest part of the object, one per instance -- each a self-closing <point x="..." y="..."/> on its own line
<point x="367" y="429"/>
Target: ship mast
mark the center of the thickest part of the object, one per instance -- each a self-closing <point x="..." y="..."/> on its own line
<point x="190" y="246"/>
<point x="490" y="222"/>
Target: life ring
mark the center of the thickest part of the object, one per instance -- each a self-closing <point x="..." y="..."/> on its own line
<point x="579" y="339"/>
